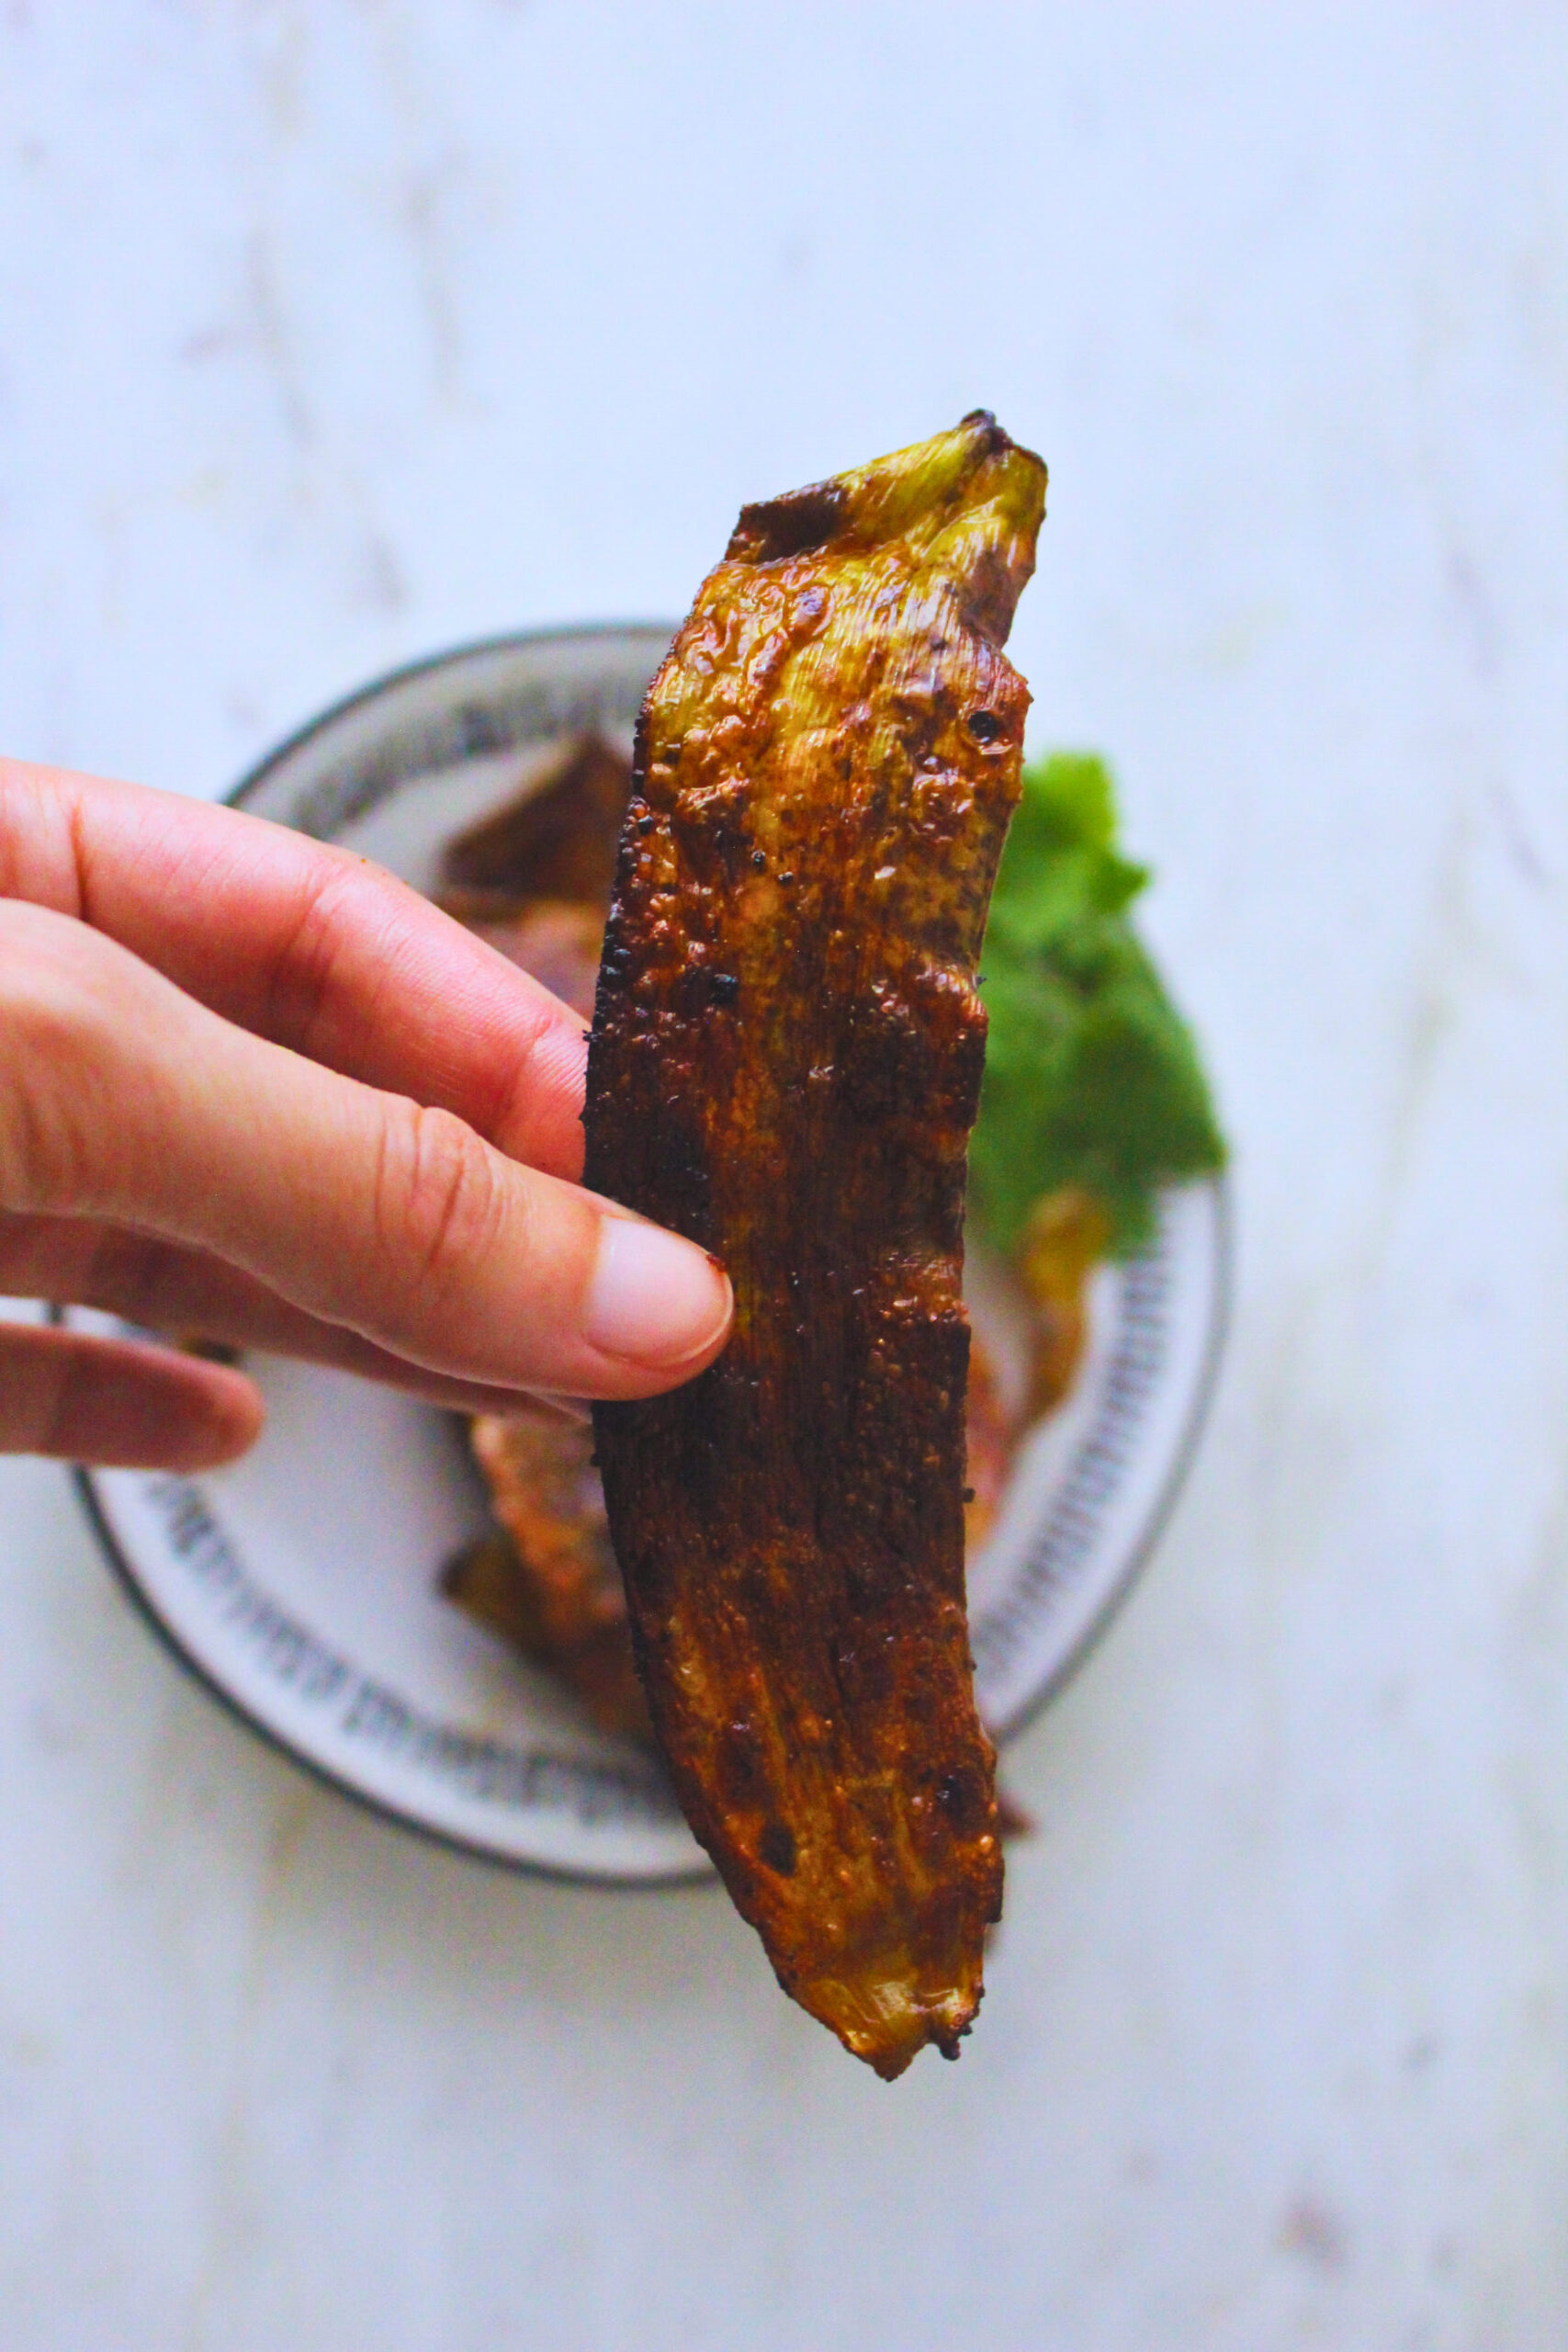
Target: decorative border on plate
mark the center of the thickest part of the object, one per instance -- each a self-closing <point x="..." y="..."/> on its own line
<point x="699" y="1872"/>
<point x="1060" y="1551"/>
<point x="477" y="728"/>
<point x="362" y="1709"/>
<point x="1057" y="1558"/>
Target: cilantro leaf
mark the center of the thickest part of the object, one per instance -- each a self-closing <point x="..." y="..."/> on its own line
<point x="1092" y="1078"/>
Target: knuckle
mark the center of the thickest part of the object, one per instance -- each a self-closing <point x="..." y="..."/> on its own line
<point x="515" y="1107"/>
<point x="138" y="1276"/>
<point x="48" y="1014"/>
<point x="345" y="917"/>
<point x="305" y="958"/>
<point x="440" y="1198"/>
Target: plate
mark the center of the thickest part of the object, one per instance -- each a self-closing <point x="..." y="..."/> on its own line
<point x="300" y="1585"/>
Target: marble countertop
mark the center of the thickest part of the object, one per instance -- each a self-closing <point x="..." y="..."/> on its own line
<point x="332" y="334"/>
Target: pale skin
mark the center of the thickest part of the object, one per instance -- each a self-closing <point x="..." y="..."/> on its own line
<point x="251" y="1087"/>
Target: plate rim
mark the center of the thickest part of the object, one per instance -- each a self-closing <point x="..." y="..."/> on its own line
<point x="702" y="1873"/>
<point x="404" y="673"/>
<point x="1217" y="1183"/>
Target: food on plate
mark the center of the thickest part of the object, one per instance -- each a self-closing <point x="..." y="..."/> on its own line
<point x="1094" y="1097"/>
<point x="545" y="1578"/>
<point x="992" y="1422"/>
<point x="1093" y="1090"/>
<point x="534" y="879"/>
<point x="556" y="841"/>
<point x="555" y="939"/>
<point x="784" y="1066"/>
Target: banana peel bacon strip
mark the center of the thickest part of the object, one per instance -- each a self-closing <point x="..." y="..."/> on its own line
<point x="784" y="1066"/>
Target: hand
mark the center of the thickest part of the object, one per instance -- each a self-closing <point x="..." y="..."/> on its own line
<point x="251" y="1087"/>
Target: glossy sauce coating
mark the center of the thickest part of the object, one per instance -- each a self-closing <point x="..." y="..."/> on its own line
<point x="785" y="1064"/>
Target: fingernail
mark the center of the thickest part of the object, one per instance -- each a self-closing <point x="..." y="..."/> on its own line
<point x="654" y="1299"/>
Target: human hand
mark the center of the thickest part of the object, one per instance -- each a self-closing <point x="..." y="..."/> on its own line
<point x="252" y="1087"/>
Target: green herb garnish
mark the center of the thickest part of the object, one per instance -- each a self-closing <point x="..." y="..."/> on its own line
<point x="1092" y="1078"/>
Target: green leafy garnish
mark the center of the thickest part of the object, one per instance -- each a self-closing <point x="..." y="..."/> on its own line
<point x="1092" y="1078"/>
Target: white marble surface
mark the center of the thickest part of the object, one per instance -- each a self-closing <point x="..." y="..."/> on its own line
<point x="333" y="331"/>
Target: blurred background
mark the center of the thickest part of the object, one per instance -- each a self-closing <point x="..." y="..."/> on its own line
<point x="333" y="333"/>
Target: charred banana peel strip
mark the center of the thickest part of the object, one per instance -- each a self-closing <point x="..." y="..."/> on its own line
<point x="784" y="1066"/>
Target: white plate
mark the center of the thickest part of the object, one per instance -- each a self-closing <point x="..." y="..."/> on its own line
<point x="300" y="1585"/>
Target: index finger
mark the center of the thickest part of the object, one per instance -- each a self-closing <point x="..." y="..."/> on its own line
<point x="307" y="945"/>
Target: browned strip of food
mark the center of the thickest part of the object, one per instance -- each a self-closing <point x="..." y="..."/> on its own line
<point x="554" y="939"/>
<point x="990" y="1432"/>
<point x="546" y="1579"/>
<point x="784" y="1066"/>
<point x="556" y="839"/>
<point x="1068" y="1234"/>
